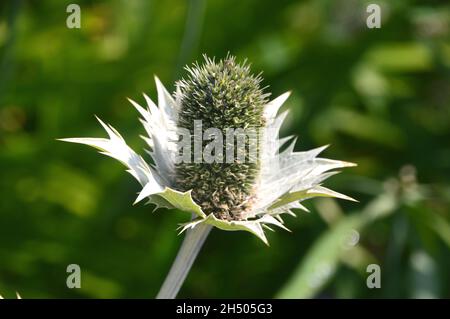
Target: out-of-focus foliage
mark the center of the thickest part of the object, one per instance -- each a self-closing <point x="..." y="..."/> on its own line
<point x="380" y="97"/>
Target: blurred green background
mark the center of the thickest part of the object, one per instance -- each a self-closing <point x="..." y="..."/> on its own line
<point x="380" y="97"/>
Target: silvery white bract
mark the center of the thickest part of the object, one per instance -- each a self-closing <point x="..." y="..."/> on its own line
<point x="286" y="178"/>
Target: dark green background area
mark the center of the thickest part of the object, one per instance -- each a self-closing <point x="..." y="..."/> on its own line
<point x="380" y="97"/>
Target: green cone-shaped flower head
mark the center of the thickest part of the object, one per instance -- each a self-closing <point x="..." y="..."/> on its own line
<point x="224" y="95"/>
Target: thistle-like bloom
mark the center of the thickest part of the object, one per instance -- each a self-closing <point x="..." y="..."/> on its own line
<point x="247" y="194"/>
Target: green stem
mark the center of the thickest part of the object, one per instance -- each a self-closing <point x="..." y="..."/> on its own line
<point x="189" y="250"/>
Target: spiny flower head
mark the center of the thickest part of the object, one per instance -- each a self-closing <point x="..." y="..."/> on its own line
<point x="249" y="192"/>
<point x="222" y="95"/>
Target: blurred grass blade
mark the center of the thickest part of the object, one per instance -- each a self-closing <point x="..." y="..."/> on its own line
<point x="321" y="262"/>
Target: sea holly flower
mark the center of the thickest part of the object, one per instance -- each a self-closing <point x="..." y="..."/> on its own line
<point x="249" y="193"/>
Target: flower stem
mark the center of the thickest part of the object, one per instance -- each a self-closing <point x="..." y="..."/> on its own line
<point x="189" y="250"/>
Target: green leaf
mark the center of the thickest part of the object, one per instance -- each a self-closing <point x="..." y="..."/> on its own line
<point x="320" y="263"/>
